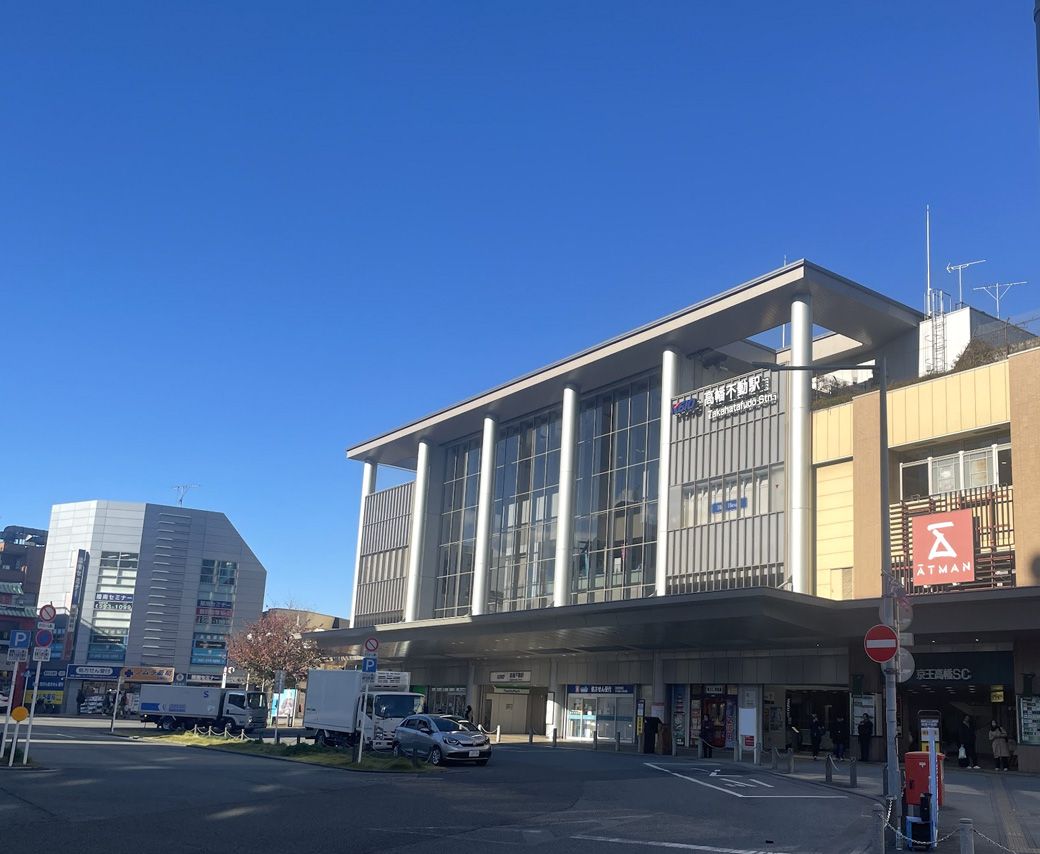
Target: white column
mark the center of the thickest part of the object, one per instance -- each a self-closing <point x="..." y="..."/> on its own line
<point x="669" y="389"/>
<point x="799" y="451"/>
<point x="368" y="486"/>
<point x="565" y="506"/>
<point x="415" y="547"/>
<point x="485" y="512"/>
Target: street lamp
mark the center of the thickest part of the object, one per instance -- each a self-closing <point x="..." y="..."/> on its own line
<point x="888" y="597"/>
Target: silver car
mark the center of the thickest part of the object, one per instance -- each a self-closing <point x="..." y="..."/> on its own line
<point x="439" y="739"/>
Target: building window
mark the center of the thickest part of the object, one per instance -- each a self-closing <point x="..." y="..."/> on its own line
<point x="458" y="533"/>
<point x="523" y="533"/>
<point x="219" y="573"/>
<point x="113" y="606"/>
<point x="615" y="525"/>
<point x="753" y="492"/>
<point x="973" y="468"/>
<point x="209" y="649"/>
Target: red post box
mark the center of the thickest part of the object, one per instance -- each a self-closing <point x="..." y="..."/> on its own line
<point x="915" y="764"/>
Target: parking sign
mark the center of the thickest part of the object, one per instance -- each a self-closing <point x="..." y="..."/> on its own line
<point x="19" y="639"/>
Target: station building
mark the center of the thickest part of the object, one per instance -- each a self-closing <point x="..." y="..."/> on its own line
<point x="668" y="524"/>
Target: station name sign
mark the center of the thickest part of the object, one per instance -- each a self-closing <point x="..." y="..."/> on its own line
<point x="743" y="394"/>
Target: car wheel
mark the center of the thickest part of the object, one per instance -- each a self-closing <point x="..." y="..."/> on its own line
<point x="398" y="751"/>
<point x="319" y="739"/>
<point x="482" y="761"/>
<point x="168" y="724"/>
<point x="436" y="757"/>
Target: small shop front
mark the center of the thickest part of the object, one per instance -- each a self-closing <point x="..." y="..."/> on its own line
<point x="704" y="711"/>
<point x="603" y="710"/>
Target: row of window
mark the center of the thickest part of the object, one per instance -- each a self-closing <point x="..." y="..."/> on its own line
<point x="754" y="492"/>
<point x="979" y="467"/>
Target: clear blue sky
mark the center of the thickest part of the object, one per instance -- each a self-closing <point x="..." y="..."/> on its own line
<point x="238" y="237"/>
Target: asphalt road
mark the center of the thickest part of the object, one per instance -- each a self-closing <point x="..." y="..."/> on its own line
<point x="101" y="793"/>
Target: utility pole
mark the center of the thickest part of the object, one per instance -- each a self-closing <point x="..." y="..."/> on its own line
<point x="998" y="290"/>
<point x="960" y="268"/>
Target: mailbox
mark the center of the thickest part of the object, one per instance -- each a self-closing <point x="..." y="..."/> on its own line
<point x="915" y="764"/>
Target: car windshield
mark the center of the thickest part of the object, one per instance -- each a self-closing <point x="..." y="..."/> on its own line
<point x="255" y="700"/>
<point x="448" y="725"/>
<point x="397" y="705"/>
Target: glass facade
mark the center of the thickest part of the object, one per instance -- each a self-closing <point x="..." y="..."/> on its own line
<point x="615" y="526"/>
<point x="523" y="533"/>
<point x="968" y="469"/>
<point x="113" y="604"/>
<point x="458" y="529"/>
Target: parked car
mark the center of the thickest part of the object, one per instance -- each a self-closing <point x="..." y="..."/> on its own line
<point x="439" y="738"/>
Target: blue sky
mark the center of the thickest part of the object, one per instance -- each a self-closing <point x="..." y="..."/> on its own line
<point x="236" y="238"/>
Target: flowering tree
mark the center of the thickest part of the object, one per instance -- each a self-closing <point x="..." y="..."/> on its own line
<point x="273" y="643"/>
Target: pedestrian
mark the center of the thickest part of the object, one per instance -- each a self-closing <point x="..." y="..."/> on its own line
<point x="998" y="739"/>
<point x="840" y="736"/>
<point x="815" y="735"/>
<point x="81" y="698"/>
<point x="865" y="731"/>
<point x="966" y="737"/>
<point x="469" y="713"/>
<point x="707" y="734"/>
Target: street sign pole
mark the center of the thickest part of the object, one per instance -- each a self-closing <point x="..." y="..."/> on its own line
<point x="887" y="588"/>
<point x="115" y="704"/>
<point x="32" y="712"/>
<point x="7" y="711"/>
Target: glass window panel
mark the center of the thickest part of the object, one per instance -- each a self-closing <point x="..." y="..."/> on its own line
<point x="555" y="432"/>
<point x="777" y="496"/>
<point x="640" y="401"/>
<point x="747" y="496"/>
<point x="601" y="454"/>
<point x="1004" y="466"/>
<point x="465" y="583"/>
<point x="469" y="523"/>
<point x="653" y="440"/>
<point x="604" y="415"/>
<point x="538" y="465"/>
<point x="620" y="494"/>
<point x="601" y="522"/>
<point x="715" y="505"/>
<point x="978" y="467"/>
<point x="652" y="473"/>
<point x="655" y="399"/>
<point x="512" y="447"/>
<point x="526" y="441"/>
<point x="702" y="517"/>
<point x="761" y="491"/>
<point x="637" y="444"/>
<point x="732" y="505"/>
<point x="456" y="526"/>
<point x="523" y="476"/>
<point x="473" y="460"/>
<point x="946" y="474"/>
<point x="541" y="444"/>
<point x="636" y="483"/>
<point x="621" y="409"/>
<point x="472" y="490"/>
<point x="620" y="449"/>
<point x="914" y="480"/>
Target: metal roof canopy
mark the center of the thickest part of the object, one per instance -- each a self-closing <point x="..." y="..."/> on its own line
<point x="752" y="618"/>
<point x="870" y="319"/>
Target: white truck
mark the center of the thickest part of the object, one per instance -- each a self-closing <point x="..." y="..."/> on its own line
<point x="176" y="706"/>
<point x="338" y="706"/>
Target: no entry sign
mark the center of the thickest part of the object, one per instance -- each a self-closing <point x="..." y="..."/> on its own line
<point x="881" y="643"/>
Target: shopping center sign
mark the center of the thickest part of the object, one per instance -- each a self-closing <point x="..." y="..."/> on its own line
<point x="944" y="548"/>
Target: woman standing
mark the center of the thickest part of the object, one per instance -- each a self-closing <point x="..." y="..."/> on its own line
<point x="998" y="739"/>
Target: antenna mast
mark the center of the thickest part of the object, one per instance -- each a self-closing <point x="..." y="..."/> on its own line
<point x="960" y="268"/>
<point x="928" y="259"/>
<point x="182" y="489"/>
<point x="996" y="293"/>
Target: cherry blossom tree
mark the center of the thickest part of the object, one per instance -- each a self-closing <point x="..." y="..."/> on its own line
<point x="270" y="644"/>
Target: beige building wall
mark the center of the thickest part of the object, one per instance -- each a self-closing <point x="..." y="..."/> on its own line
<point x="1024" y="370"/>
<point x="835" y="534"/>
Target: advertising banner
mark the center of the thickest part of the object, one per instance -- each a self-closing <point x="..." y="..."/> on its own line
<point x="944" y="548"/>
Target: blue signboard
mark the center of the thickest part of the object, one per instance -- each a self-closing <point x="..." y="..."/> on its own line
<point x="729" y="505"/>
<point x="601" y="689"/>
<point x="93" y="672"/>
<point x="19" y="639"/>
<point x="369" y="664"/>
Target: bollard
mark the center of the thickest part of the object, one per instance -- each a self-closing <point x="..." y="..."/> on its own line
<point x="277" y="737"/>
<point x="498" y="734"/>
<point x="776" y="758"/>
<point x="617" y="742"/>
<point x="790" y="761"/>
<point x="828" y="768"/>
<point x="595" y="740"/>
<point x="878" y="836"/>
<point x="700" y="748"/>
<point x="853" y="774"/>
<point x="736" y="752"/>
<point x="758" y="756"/>
<point x="967" y="836"/>
<point x="554" y="736"/>
<point x="675" y="746"/>
<point x="297" y="741"/>
<point x="530" y="737"/>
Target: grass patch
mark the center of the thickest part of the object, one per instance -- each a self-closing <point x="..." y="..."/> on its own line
<point x="309" y="753"/>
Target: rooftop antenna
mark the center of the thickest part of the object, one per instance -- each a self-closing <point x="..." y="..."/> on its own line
<point x="182" y="489"/>
<point x="928" y="260"/>
<point x="995" y="291"/>
<point x="960" y="268"/>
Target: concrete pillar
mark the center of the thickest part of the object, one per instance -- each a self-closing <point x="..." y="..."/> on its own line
<point x="799" y="451"/>
<point x="368" y="486"/>
<point x="669" y="389"/>
<point x="485" y="513"/>
<point x="565" y="506"/>
<point x="415" y="547"/>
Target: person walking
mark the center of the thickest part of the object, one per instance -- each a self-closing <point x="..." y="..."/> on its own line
<point x="707" y="734"/>
<point x="998" y="739"/>
<point x="81" y="698"/>
<point x="468" y="714"/>
<point x="966" y="737"/>
<point x="865" y="730"/>
<point x="840" y="736"/>
<point x="815" y="735"/>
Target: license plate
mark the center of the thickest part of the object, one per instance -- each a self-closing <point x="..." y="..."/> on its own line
<point x="474" y="754"/>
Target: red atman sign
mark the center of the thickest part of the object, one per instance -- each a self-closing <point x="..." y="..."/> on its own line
<point x="944" y="548"/>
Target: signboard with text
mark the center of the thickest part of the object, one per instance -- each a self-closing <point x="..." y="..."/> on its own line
<point x="944" y="548"/>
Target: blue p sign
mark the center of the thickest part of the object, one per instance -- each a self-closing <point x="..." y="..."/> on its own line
<point x="369" y="664"/>
<point x="19" y="639"/>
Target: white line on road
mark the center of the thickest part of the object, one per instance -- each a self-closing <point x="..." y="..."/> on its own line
<point x="737" y="794"/>
<point x="684" y="846"/>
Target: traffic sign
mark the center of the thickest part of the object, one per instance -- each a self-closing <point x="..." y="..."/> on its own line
<point x="369" y="664"/>
<point x="19" y="714"/>
<point x="48" y="613"/>
<point x="43" y="625"/>
<point x="905" y="665"/>
<point x="881" y="643"/>
<point x="19" y="639"/>
<point x="16" y="655"/>
<point x="41" y="653"/>
<point x="371" y="645"/>
<point x="44" y="637"/>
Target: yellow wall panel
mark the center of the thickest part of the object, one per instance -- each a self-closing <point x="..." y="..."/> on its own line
<point x="834" y="526"/>
<point x="832" y="433"/>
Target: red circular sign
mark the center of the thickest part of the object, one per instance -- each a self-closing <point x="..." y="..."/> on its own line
<point x="48" y="613"/>
<point x="881" y="643"/>
<point x="371" y="645"/>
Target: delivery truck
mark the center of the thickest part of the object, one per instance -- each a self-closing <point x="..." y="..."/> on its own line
<point x="338" y="706"/>
<point x="184" y="706"/>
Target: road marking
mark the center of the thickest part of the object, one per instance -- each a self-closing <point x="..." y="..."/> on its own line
<point x="730" y="791"/>
<point x="684" y="846"/>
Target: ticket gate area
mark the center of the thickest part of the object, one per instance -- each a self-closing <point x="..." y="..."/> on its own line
<point x="923" y="786"/>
